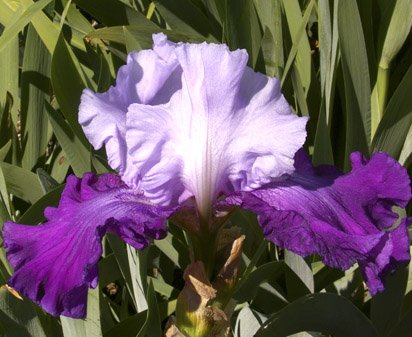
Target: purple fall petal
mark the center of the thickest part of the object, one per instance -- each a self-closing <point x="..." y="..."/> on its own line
<point x="345" y="218"/>
<point x="55" y="263"/>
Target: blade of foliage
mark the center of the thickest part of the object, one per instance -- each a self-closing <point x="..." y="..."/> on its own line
<point x="9" y="84"/>
<point x="18" y="179"/>
<point x="303" y="54"/>
<point x="267" y="272"/>
<point x="397" y="120"/>
<point x="21" y="21"/>
<point x="248" y="322"/>
<point x="300" y="32"/>
<point x="404" y="327"/>
<point x="127" y="327"/>
<point x="46" y="181"/>
<point x="327" y="313"/>
<point x="356" y="78"/>
<point x="89" y="327"/>
<point x="407" y="148"/>
<point x="327" y="22"/>
<point x="270" y="17"/>
<point x="59" y="165"/>
<point x="184" y="16"/>
<point x="394" y="27"/>
<point x="386" y="306"/>
<point x="299" y="276"/>
<point x="5" y="212"/>
<point x="121" y="254"/>
<point x="138" y="272"/>
<point x="35" y="87"/>
<point x="242" y="28"/>
<point x="9" y="11"/>
<point x="174" y="250"/>
<point x="142" y="34"/>
<point x="68" y="83"/>
<point x="20" y="319"/>
<point x="152" y="326"/>
<point x="34" y="214"/>
<point x="113" y="13"/>
<point x="77" y="153"/>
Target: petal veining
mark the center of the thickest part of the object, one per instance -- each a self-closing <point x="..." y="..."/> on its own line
<point x="56" y="262"/>
<point x="345" y="218"/>
<point x="149" y="77"/>
<point x="227" y="129"/>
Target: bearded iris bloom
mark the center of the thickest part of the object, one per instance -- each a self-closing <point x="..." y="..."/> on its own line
<point x="190" y="125"/>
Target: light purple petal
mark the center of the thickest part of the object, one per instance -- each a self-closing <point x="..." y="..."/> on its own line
<point x="55" y="263"/>
<point x="149" y="77"/>
<point x="228" y="129"/>
<point x="345" y="218"/>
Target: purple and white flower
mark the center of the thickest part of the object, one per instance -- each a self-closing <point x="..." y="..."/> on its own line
<point x="193" y="122"/>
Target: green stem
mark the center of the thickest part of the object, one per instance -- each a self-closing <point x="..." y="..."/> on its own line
<point x="204" y="246"/>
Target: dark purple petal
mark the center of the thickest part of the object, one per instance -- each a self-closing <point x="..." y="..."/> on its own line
<point x="55" y="263"/>
<point x="345" y="218"/>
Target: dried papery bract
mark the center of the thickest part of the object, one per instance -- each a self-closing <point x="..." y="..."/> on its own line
<point x="195" y="316"/>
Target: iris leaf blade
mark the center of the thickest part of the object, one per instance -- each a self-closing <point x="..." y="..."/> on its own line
<point x="327" y="313"/>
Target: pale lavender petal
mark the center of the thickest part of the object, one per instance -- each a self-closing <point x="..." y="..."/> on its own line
<point x="55" y="263"/>
<point x="228" y="129"/>
<point x="345" y="218"/>
<point x="149" y="77"/>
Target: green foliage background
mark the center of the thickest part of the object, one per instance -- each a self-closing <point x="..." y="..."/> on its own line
<point x="347" y="64"/>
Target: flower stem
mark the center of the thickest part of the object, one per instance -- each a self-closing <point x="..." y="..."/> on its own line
<point x="204" y="247"/>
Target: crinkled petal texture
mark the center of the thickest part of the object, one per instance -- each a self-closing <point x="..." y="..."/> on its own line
<point x="149" y="77"/>
<point x="227" y="129"/>
<point x="55" y="263"/>
<point x="345" y="218"/>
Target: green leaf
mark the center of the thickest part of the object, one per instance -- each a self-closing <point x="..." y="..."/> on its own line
<point x="18" y="180"/>
<point x="152" y="326"/>
<point x="356" y="78"/>
<point x="394" y="27"/>
<point x="68" y="83"/>
<point x="21" y="21"/>
<point x="35" y="88"/>
<point x="46" y="181"/>
<point x="19" y="318"/>
<point x="113" y="13"/>
<point x="77" y="153"/>
<point x="386" y="306"/>
<point x="297" y="25"/>
<point x="89" y="327"/>
<point x="184" y="16"/>
<point x="326" y="313"/>
<point x="130" y="41"/>
<point x="138" y="272"/>
<point x="174" y="250"/>
<point x="248" y="287"/>
<point x="9" y="86"/>
<point x="129" y="266"/>
<point x="59" y="165"/>
<point x="242" y="28"/>
<point x="4" y="151"/>
<point x="248" y="322"/>
<point x="299" y="276"/>
<point x="127" y="327"/>
<point x="404" y="327"/>
<point x="142" y="34"/>
<point x="394" y="126"/>
<point x="34" y="215"/>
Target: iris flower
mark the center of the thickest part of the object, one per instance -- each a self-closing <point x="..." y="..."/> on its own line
<point x="193" y="123"/>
